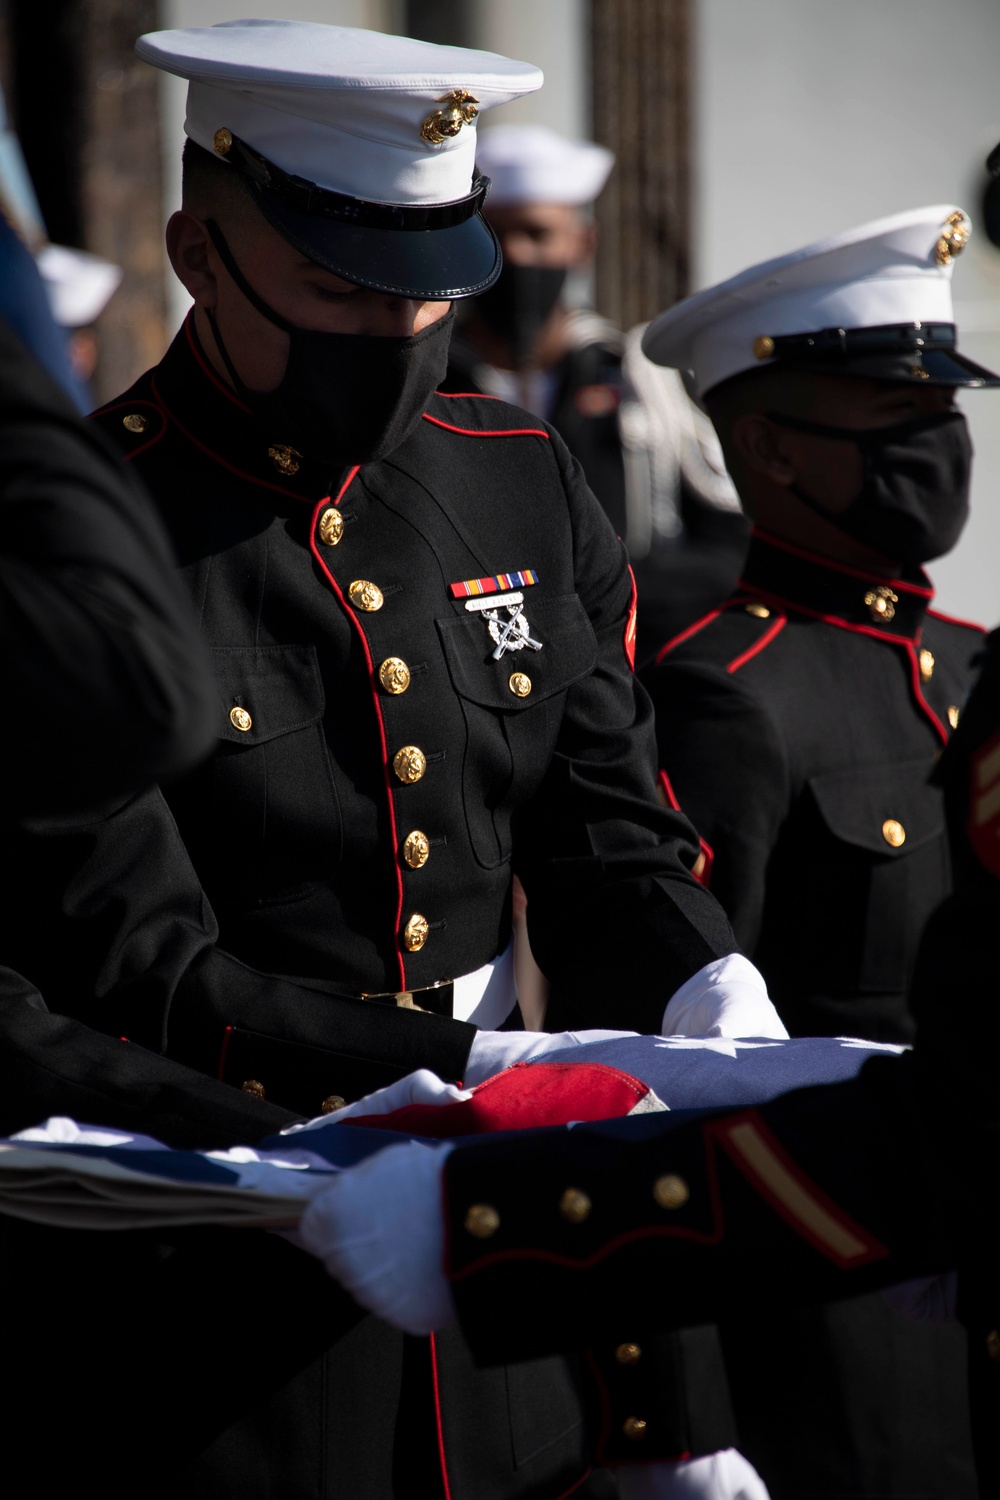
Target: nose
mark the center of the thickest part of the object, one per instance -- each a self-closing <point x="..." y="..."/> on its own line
<point x="402" y="317"/>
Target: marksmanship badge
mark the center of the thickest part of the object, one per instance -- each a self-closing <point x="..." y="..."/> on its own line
<point x="510" y="631"/>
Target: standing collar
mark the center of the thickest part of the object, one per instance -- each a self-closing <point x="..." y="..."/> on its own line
<point x="786" y="574"/>
<point x="208" y="414"/>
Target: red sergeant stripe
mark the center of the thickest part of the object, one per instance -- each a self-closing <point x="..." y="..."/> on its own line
<point x="765" y="640"/>
<point x="349" y="612"/>
<point x="437" y="1419"/>
<point x="628" y="640"/>
<point x="836" y="567"/>
<point x="918" y="692"/>
<point x="481" y="432"/>
<point x="668" y="791"/>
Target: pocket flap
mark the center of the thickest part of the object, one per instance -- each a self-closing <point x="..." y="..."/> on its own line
<point x="276" y="688"/>
<point x="889" y="810"/>
<point x="569" y="652"/>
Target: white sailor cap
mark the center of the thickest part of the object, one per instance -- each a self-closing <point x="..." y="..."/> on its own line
<point x="532" y="164"/>
<point x="79" y="285"/>
<point x="359" y="148"/>
<point x="874" y="301"/>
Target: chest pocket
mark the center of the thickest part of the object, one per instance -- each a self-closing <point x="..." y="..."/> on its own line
<point x="270" y="827"/>
<point x="887" y="825"/>
<point x="511" y="733"/>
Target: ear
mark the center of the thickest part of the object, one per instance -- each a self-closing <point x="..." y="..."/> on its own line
<point x="763" y="448"/>
<point x="188" y="246"/>
<point x="586" y="242"/>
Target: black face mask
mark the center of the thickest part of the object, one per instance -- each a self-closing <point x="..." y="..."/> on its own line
<point x="518" y="305"/>
<point x="345" y="398"/>
<point x="914" y="497"/>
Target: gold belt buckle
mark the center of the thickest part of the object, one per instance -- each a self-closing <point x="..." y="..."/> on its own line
<point x="404" y="998"/>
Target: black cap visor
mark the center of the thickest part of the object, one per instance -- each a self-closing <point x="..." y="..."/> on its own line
<point x="429" y="265"/>
<point x="914" y="352"/>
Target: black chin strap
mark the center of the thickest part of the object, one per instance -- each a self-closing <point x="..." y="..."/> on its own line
<point x="254" y="298"/>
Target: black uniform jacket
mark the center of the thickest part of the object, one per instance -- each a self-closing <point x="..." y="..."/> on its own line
<point x="287" y="853"/>
<point x="798" y="727"/>
<point x="822" y="1194"/>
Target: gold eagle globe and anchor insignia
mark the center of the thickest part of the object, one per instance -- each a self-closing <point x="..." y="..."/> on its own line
<point x="881" y="604"/>
<point x="954" y="239"/>
<point x="442" y="124"/>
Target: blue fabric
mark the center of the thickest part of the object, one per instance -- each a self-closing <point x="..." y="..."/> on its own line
<point x="24" y="306"/>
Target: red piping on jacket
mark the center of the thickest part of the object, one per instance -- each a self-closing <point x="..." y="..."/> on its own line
<point x="838" y="567"/>
<point x="708" y="853"/>
<point x="936" y="614"/>
<point x="795" y="608"/>
<point x="918" y="692"/>
<point x="691" y="630"/>
<point x="466" y="395"/>
<point x="758" y="646"/>
<point x="477" y="432"/>
<point x="378" y="713"/>
<point x="437" y="1418"/>
<point x="131" y="405"/>
<point x="265" y="484"/>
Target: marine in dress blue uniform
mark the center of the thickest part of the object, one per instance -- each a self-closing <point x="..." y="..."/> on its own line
<point x="325" y="904"/>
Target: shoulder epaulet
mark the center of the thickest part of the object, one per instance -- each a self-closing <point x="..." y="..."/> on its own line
<point x="133" y="423"/>
<point x="473" y="415"/>
<point x="762" y="624"/>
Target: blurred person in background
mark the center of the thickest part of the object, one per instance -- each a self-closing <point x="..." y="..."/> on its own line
<point x="79" y="286"/>
<point x="648" y="451"/>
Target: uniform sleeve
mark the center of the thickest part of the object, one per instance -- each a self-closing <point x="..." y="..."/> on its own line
<point x="138" y="956"/>
<point x="105" y="683"/>
<point x="615" y="918"/>
<point x="821" y="1194"/>
<point x="728" y="770"/>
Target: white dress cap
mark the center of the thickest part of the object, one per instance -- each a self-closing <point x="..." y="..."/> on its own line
<point x="344" y="108"/>
<point x="532" y="164"/>
<point x="892" y="271"/>
<point x="79" y="285"/>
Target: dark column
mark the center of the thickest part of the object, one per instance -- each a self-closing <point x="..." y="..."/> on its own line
<point x="640" y="78"/>
<point x="447" y="22"/>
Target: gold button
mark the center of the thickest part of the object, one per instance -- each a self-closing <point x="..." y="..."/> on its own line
<point x="223" y="141"/>
<point x="285" y="459"/>
<point x="763" y="347"/>
<point x="415" y="933"/>
<point x="993" y="1344"/>
<point x="634" y="1428"/>
<point x="135" y="422"/>
<point x="953" y="716"/>
<point x="251" y="1086"/>
<point x="881" y="604"/>
<point x="893" y="832"/>
<point x="520" y="684"/>
<point x="417" y="849"/>
<point x="240" y="719"/>
<point x="482" y="1220"/>
<point x="394" y="675"/>
<point x="331" y="527"/>
<point x="761" y="611"/>
<point x="574" y="1206"/>
<point x="365" y="595"/>
<point x="628" y="1354"/>
<point x="671" y="1191"/>
<point x="927" y="665"/>
<point x="409" y="764"/>
<point x="332" y="1102"/>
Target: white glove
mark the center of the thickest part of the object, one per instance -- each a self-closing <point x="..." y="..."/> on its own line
<point x="492" y="1051"/>
<point x="728" y="997"/>
<point x="717" y="1476"/>
<point x="379" y="1230"/>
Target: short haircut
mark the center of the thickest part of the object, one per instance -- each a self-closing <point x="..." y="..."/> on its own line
<point x="212" y="190"/>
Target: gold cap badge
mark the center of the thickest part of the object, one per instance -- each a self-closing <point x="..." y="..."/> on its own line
<point x="223" y="141"/>
<point x="763" y="347"/>
<point x="441" y="124"/>
<point x="953" y="240"/>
